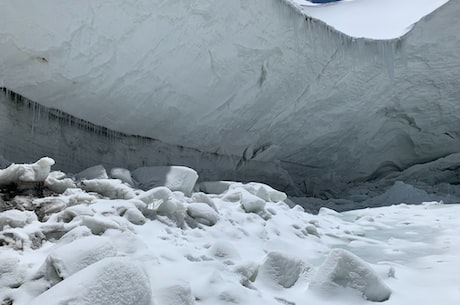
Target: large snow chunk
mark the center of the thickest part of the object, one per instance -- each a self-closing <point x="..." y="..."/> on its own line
<point x="36" y="172"/>
<point x="98" y="225"/>
<point x="58" y="183"/>
<point x="11" y="273"/>
<point x="280" y="270"/>
<point x="342" y="270"/>
<point x="75" y="256"/>
<point x="95" y="172"/>
<point x="134" y="216"/>
<point x="215" y="187"/>
<point x="176" y="178"/>
<point x="123" y="174"/>
<point x="114" y="281"/>
<point x="156" y="195"/>
<point x="112" y="188"/>
<point x="202" y="213"/>
<point x="252" y="203"/>
<point x="81" y="253"/>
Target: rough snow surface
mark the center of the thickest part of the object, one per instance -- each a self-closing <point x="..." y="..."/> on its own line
<point x="208" y="249"/>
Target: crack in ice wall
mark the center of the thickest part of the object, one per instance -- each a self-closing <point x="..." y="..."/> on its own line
<point x="246" y="79"/>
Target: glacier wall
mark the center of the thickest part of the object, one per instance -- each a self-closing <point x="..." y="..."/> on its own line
<point x="250" y="80"/>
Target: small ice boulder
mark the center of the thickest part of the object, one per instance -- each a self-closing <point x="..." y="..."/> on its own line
<point x="115" y="281"/>
<point x="123" y="174"/>
<point x="343" y="270"/>
<point x="202" y="213"/>
<point x="280" y="270"/>
<point x="58" y="183"/>
<point x="75" y="256"/>
<point x="176" y="178"/>
<point x="95" y="172"/>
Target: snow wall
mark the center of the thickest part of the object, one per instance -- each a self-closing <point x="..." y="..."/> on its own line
<point x="247" y="82"/>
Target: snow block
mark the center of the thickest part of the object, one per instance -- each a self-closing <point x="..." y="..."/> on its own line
<point x="134" y="216"/>
<point x="344" y="270"/>
<point x="262" y="191"/>
<point x="176" y="178"/>
<point x="158" y="194"/>
<point x="75" y="256"/>
<point x="58" y="183"/>
<point x="202" y="213"/>
<point x="123" y="174"/>
<point x="251" y="203"/>
<point x="215" y="187"/>
<point x="112" y="188"/>
<point x="115" y="281"/>
<point x="11" y="273"/>
<point x="95" y="172"/>
<point x="281" y="271"/>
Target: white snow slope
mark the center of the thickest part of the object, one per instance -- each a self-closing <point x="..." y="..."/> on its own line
<point x="256" y="80"/>
<point x="243" y="246"/>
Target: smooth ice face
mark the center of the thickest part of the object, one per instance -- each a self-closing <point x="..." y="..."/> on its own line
<point x="256" y="81"/>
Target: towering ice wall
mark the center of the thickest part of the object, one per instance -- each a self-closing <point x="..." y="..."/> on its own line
<point x="254" y="81"/>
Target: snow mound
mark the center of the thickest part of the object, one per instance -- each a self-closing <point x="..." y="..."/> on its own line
<point x="75" y="256"/>
<point x="343" y="270"/>
<point x="280" y="270"/>
<point x="36" y="172"/>
<point x="115" y="281"/>
<point x="176" y="178"/>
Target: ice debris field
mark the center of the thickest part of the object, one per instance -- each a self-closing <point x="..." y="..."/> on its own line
<point x="94" y="239"/>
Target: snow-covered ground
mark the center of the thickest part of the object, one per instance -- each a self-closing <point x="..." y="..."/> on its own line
<point x="374" y="19"/>
<point x="103" y="241"/>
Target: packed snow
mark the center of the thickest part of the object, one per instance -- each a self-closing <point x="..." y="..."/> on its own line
<point x="242" y="244"/>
